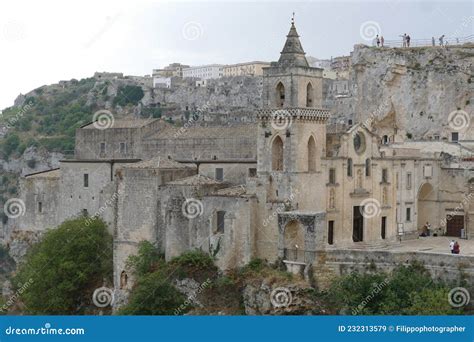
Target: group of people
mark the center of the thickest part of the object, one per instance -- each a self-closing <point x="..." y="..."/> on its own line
<point x="379" y="40"/>
<point x="406" y="40"/>
<point x="454" y="246"/>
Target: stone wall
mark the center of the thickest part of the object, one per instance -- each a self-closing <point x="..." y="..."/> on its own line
<point x="447" y="267"/>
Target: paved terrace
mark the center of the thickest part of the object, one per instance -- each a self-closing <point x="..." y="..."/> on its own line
<point x="438" y="245"/>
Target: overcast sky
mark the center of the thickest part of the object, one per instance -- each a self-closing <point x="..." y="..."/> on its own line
<point x="44" y="41"/>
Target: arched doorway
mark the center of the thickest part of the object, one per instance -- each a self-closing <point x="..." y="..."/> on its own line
<point x="311" y="155"/>
<point x="280" y="94"/>
<point x="294" y="242"/>
<point x="277" y="154"/>
<point x="309" y="95"/>
<point x="426" y="201"/>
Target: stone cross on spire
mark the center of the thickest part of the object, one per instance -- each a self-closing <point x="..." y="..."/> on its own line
<point x="293" y="53"/>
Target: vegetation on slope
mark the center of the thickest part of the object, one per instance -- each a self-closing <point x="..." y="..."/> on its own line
<point x="61" y="272"/>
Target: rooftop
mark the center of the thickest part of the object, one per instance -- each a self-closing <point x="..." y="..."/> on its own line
<point x="160" y="163"/>
<point x="123" y="123"/>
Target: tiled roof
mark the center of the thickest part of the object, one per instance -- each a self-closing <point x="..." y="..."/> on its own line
<point x="160" y="163"/>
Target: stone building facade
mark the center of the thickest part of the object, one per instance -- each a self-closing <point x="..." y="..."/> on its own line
<point x="289" y="186"/>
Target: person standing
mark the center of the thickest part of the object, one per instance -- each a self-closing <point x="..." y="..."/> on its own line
<point x="377" y="40"/>
<point x="382" y="41"/>
<point x="404" y="37"/>
<point x="433" y="41"/>
<point x="451" y="246"/>
<point x="408" y="40"/>
<point x="441" y="40"/>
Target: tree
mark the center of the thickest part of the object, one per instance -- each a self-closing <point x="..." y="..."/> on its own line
<point x="64" y="269"/>
<point x="128" y="94"/>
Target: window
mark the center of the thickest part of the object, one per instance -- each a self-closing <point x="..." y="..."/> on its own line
<point x="123" y="148"/>
<point x="384" y="176"/>
<point x="220" y="221"/>
<point x="40" y="207"/>
<point x="252" y="172"/>
<point x="427" y="171"/>
<point x="349" y="167"/>
<point x="332" y="176"/>
<point x="367" y="167"/>
<point x="396" y="180"/>
<point x="277" y="154"/>
<point x="280" y="89"/>
<point x="330" y="232"/>
<point x="384" y="227"/>
<point x="408" y="180"/>
<point x="311" y="155"/>
<point x="85" y="213"/>
<point x="454" y="136"/>
<point x="102" y="147"/>
<point x="408" y="215"/>
<point x="385" y="140"/>
<point x="219" y="174"/>
<point x="309" y="95"/>
<point x="86" y="180"/>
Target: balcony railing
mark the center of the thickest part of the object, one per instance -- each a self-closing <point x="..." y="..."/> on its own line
<point x="299" y="255"/>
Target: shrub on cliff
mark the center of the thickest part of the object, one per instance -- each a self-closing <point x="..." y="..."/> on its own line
<point x="61" y="272"/>
<point x="408" y="290"/>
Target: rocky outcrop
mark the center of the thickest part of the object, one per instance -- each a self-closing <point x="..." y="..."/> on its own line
<point x="419" y="87"/>
<point x="286" y="299"/>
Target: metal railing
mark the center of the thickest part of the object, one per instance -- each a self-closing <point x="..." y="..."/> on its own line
<point x="447" y="41"/>
<point x="299" y="255"/>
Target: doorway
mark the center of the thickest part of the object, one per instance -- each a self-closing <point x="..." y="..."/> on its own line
<point x="358" y="224"/>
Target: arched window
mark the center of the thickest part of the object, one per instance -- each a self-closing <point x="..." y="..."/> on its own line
<point x="123" y="279"/>
<point x="280" y="94"/>
<point x="309" y="95"/>
<point x="367" y="167"/>
<point x="311" y="155"/>
<point x="349" y="167"/>
<point x="277" y="154"/>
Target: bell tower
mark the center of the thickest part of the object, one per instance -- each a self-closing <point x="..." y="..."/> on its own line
<point x="292" y="126"/>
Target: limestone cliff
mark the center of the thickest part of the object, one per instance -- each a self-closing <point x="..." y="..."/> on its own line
<point x="415" y="89"/>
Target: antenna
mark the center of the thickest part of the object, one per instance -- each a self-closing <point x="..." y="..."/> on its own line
<point x="293" y="18"/>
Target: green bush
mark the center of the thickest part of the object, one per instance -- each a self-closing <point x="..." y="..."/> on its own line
<point x="147" y="259"/>
<point x="66" y="267"/>
<point x="409" y="290"/>
<point x="128" y="94"/>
